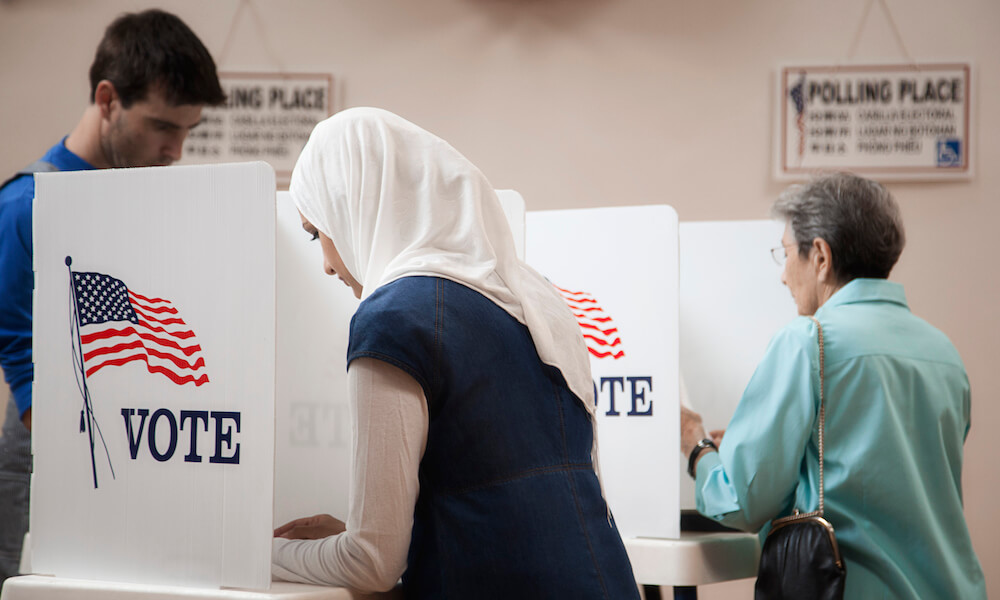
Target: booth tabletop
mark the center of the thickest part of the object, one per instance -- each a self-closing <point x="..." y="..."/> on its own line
<point x="696" y="558"/>
<point x="39" y="587"/>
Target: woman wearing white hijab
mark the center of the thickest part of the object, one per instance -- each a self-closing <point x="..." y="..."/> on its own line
<point x="469" y="380"/>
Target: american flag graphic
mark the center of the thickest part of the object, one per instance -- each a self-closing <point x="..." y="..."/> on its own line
<point x="599" y="331"/>
<point x="118" y="326"/>
<point x="798" y="98"/>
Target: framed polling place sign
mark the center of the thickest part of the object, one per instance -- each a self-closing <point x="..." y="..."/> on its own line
<point x="267" y="116"/>
<point x="617" y="269"/>
<point x="154" y="352"/>
<point x="900" y="122"/>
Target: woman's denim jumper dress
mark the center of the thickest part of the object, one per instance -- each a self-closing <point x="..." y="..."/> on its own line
<point x="509" y="504"/>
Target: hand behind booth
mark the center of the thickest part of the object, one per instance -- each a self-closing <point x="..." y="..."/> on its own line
<point x="716" y="435"/>
<point x="692" y="430"/>
<point x="310" y="528"/>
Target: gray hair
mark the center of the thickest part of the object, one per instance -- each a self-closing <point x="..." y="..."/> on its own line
<point x="857" y="217"/>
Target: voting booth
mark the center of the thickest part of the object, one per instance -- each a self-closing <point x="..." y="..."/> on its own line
<point x="196" y="408"/>
<point x="187" y="404"/>
<point x="312" y="419"/>
<point x="313" y="436"/>
<point x="153" y="431"/>
<point x="617" y="270"/>
<point x="731" y="302"/>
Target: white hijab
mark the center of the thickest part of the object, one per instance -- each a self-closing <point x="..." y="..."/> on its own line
<point x="398" y="201"/>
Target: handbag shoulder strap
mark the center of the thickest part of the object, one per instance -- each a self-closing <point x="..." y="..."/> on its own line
<point x="822" y="411"/>
<point x="822" y="418"/>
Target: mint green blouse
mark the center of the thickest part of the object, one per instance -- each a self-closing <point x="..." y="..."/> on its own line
<point x="897" y="414"/>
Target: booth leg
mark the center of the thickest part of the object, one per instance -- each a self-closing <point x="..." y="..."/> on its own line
<point x="684" y="592"/>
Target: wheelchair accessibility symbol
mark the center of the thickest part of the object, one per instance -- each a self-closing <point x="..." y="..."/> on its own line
<point x="949" y="152"/>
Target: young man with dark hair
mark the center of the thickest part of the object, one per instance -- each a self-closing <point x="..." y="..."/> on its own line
<point x="150" y="78"/>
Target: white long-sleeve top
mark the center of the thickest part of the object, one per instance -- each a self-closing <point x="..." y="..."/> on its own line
<point x="390" y="434"/>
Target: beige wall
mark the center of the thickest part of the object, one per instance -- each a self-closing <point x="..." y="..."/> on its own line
<point x="579" y="103"/>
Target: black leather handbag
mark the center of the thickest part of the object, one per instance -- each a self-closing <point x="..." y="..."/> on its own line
<point x="800" y="559"/>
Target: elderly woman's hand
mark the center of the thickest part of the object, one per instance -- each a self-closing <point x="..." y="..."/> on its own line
<point x="716" y="435"/>
<point x="692" y="430"/>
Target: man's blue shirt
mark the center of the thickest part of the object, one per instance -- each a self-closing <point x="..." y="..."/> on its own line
<point x="16" y="275"/>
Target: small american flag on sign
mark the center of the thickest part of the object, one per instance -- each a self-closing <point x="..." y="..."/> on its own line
<point x="797" y="94"/>
<point x="118" y="326"/>
<point x="599" y="331"/>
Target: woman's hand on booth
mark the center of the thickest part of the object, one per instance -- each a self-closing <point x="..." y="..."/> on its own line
<point x="310" y="528"/>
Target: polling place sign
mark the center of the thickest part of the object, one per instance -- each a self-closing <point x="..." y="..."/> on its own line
<point x="267" y="116"/>
<point x="154" y="351"/>
<point x="889" y="122"/>
<point x="617" y="269"/>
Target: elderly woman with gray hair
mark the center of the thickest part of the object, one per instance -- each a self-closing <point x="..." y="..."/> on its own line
<point x="897" y="408"/>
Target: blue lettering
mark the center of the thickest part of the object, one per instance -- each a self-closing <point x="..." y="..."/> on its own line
<point x="641" y="387"/>
<point x="227" y="424"/>
<point x="194" y="416"/>
<point x="611" y="393"/>
<point x="152" y="435"/>
<point x="639" y="396"/>
<point x="133" y="440"/>
<point x="227" y="437"/>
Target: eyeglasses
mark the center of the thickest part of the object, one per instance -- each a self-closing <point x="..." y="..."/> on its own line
<point x="779" y="253"/>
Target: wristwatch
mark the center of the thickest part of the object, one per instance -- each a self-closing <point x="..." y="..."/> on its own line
<point x="700" y="447"/>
